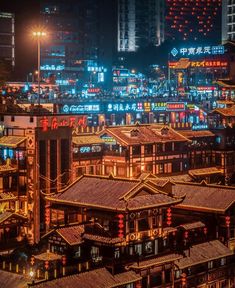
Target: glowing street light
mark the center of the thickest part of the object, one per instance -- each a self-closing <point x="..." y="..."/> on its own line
<point x="39" y="35"/>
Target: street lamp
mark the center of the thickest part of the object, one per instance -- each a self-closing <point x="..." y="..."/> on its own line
<point x="39" y="35"/>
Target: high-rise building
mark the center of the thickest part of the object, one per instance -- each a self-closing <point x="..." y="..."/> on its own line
<point x="193" y="20"/>
<point x="228" y="20"/>
<point x="80" y="39"/>
<point x="7" y="38"/>
<point x="140" y="23"/>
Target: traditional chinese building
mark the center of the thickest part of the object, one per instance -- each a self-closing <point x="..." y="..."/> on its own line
<point x="131" y="150"/>
<point x="129" y="225"/>
<point x="36" y="155"/>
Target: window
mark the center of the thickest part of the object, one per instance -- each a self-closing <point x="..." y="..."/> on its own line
<point x="223" y="261"/>
<point x="210" y="264"/>
<point x="31" y="119"/>
<point x="148" y="247"/>
<point x="117" y="253"/>
<point x="78" y="252"/>
<point x="12" y="118"/>
<point x="138" y="249"/>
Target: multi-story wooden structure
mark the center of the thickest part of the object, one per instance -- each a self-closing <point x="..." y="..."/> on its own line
<point x="131" y="150"/>
<point x="129" y="224"/>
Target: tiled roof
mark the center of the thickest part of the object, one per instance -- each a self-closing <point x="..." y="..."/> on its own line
<point x="72" y="235"/>
<point x="227" y="112"/>
<point x="112" y="194"/>
<point x="11" y="141"/>
<point x="6" y="196"/>
<point x="156" y="261"/>
<point x="202" y="197"/>
<point x="196" y="134"/>
<point x="102" y="239"/>
<point x="194" y="225"/>
<point x="205" y="171"/>
<point x="202" y="253"/>
<point x="47" y="256"/>
<point x="87" y="139"/>
<point x="7" y="214"/>
<point x="7" y="168"/>
<point x="99" y="278"/>
<point x="12" y="280"/>
<point x="144" y="134"/>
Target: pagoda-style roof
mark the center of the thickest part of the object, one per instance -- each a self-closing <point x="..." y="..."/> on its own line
<point x="72" y="235"/>
<point x="11" y="141"/>
<point x="225" y="112"/>
<point x="10" y="280"/>
<point x="114" y="194"/>
<point x="7" y="196"/>
<point x="87" y="139"/>
<point x="204" y="197"/>
<point x="99" y="278"/>
<point x="47" y="256"/>
<point x="205" y="171"/>
<point x="193" y="225"/>
<point x="6" y="168"/>
<point x="7" y="214"/>
<point x="196" y="133"/>
<point x="156" y="261"/>
<point x="225" y="83"/>
<point x="143" y="134"/>
<point x="204" y="252"/>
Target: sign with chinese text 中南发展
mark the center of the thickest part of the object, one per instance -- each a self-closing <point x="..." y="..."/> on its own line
<point x="54" y="122"/>
<point x="198" y="51"/>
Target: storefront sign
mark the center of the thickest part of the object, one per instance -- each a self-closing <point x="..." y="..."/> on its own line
<point x="81" y="108"/>
<point x="209" y="64"/>
<point x="198" y="51"/>
<point x="200" y="127"/>
<point x="126" y="107"/>
<point x="108" y="139"/>
<point x="54" y="123"/>
<point x="175" y="106"/>
<point x="158" y="106"/>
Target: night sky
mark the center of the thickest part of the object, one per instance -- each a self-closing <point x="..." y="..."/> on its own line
<point x="26" y="17"/>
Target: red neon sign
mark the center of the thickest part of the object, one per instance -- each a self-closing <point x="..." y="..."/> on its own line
<point x="55" y="122"/>
<point x="175" y="106"/>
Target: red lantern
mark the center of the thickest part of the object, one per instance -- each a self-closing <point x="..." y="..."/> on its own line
<point x="227" y="221"/>
<point x="64" y="260"/>
<point x="168" y="215"/>
<point x="47" y="215"/>
<point x="120" y="225"/>
<point x="186" y="234"/>
<point x="46" y="264"/>
<point x="32" y="260"/>
<point x="183" y="279"/>
<point x="205" y="230"/>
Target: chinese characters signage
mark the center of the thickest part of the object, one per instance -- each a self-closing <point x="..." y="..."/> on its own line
<point x="175" y="106"/>
<point x="54" y="122"/>
<point x="81" y="108"/>
<point x="209" y="64"/>
<point x="126" y="107"/>
<point x="198" y="51"/>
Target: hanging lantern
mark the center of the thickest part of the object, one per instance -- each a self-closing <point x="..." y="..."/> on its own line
<point x="186" y="234"/>
<point x="32" y="260"/>
<point x="168" y="217"/>
<point x="227" y="221"/>
<point x="64" y="260"/>
<point x="46" y="264"/>
<point x="205" y="230"/>
<point x="183" y="279"/>
<point x="120" y="225"/>
<point x="47" y="215"/>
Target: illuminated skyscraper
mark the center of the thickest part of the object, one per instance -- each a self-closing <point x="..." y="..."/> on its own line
<point x="228" y="20"/>
<point x="193" y="20"/>
<point x="7" y="38"/>
<point x="140" y="23"/>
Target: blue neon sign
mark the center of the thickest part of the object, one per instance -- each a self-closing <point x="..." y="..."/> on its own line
<point x="198" y="51"/>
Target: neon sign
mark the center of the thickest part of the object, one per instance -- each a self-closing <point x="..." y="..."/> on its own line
<point x="198" y="51"/>
<point x="208" y="64"/>
<point x="52" y="67"/>
<point x="126" y="107"/>
<point x="55" y="122"/>
<point x="81" y="108"/>
<point x="200" y="127"/>
<point x="175" y="106"/>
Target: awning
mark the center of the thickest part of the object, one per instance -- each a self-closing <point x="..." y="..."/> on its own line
<point x="11" y="141"/>
<point x="87" y="140"/>
<point x="205" y="171"/>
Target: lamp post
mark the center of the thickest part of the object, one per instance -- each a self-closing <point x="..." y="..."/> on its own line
<point x="39" y="35"/>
